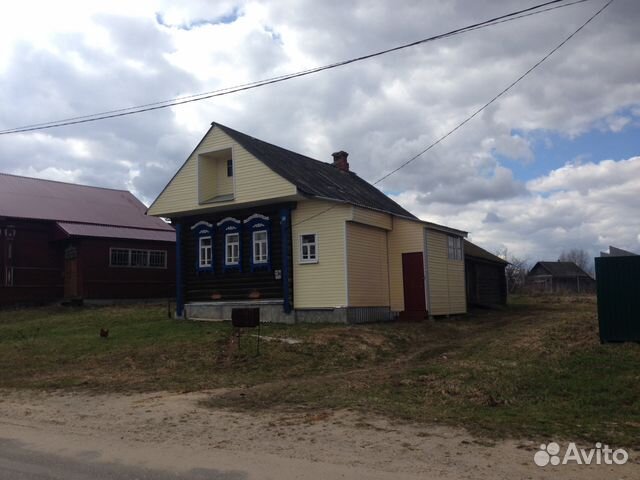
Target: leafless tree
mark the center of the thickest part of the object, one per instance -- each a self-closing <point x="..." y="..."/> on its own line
<point x="516" y="271"/>
<point x="579" y="257"/>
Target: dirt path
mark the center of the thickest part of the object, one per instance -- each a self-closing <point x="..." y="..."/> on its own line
<point x="171" y="431"/>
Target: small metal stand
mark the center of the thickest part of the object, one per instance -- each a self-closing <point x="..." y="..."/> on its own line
<point x="242" y="318"/>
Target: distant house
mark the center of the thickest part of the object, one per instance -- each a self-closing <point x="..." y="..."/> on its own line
<point x="59" y="240"/>
<point x="559" y="277"/>
<point x="485" y="276"/>
<point x="300" y="239"/>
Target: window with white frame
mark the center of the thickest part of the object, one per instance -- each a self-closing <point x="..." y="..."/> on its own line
<point x="309" y="248"/>
<point x="119" y="257"/>
<point x="205" y="252"/>
<point x="455" y="247"/>
<point x="157" y="258"/>
<point x="128" y="257"/>
<point x="230" y="168"/>
<point x="232" y="249"/>
<point x="260" y="247"/>
<point x="139" y="258"/>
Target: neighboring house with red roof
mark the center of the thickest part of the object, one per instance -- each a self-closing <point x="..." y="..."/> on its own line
<point x="302" y="240"/>
<point x="60" y="240"/>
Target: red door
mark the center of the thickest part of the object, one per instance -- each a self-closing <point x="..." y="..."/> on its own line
<point x="415" y="307"/>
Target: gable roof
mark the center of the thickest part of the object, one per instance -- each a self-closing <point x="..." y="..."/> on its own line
<point x="473" y="250"/>
<point x="315" y="178"/>
<point x="617" y="252"/>
<point x="67" y="204"/>
<point x="562" y="269"/>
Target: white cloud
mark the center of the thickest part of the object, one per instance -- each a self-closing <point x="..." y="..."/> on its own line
<point x="589" y="206"/>
<point x="94" y="56"/>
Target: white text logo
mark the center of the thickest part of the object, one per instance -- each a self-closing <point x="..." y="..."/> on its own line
<point x="549" y="454"/>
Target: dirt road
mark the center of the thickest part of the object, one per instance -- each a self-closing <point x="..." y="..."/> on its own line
<point x="173" y="433"/>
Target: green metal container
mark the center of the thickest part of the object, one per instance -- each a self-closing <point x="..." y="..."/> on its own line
<point x="618" y="287"/>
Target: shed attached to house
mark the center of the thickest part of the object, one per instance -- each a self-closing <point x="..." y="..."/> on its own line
<point x="485" y="277"/>
<point x="303" y="240"/>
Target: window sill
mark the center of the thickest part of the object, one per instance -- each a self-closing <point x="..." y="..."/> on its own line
<point x="306" y="262"/>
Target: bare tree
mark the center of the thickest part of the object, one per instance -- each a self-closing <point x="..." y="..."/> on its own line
<point x="578" y="256"/>
<point x="516" y="271"/>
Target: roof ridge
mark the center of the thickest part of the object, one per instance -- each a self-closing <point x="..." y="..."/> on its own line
<point x="75" y="222"/>
<point x="64" y="183"/>
<point x="216" y="124"/>
<point x="338" y="188"/>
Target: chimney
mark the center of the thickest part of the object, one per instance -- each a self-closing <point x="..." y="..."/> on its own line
<point x="340" y="160"/>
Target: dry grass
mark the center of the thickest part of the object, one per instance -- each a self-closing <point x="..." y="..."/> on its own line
<point x="535" y="369"/>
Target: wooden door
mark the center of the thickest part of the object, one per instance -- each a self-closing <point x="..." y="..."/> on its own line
<point x="71" y="280"/>
<point x="415" y="307"/>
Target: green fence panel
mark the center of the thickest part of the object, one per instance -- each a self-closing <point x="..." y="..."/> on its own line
<point x="618" y="290"/>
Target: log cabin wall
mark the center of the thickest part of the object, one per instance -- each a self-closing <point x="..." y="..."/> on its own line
<point x="31" y="265"/>
<point x="237" y="284"/>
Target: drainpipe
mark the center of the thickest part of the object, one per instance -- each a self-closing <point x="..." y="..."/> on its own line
<point x="285" y="217"/>
<point x="179" y="286"/>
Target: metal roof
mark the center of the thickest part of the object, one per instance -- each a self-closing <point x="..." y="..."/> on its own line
<point x="33" y="198"/>
<point x="106" y="231"/>
<point x="315" y="178"/>
<point x="473" y="250"/>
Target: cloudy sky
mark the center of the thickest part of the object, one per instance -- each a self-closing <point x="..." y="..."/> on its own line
<point x="555" y="164"/>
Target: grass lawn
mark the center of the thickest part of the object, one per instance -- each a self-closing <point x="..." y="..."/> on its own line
<point x="536" y="369"/>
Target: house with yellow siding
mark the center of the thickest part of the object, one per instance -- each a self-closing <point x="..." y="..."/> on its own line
<point x="302" y="240"/>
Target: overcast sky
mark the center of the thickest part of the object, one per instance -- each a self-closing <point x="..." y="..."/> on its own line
<point x="555" y="164"/>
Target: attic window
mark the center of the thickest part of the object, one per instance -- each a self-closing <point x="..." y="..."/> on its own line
<point x="229" y="168"/>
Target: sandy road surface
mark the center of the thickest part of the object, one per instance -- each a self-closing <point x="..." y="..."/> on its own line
<point x="173" y="433"/>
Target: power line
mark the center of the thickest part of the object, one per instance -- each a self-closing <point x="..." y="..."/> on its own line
<point x="483" y="107"/>
<point x="505" y="90"/>
<point x="534" y="10"/>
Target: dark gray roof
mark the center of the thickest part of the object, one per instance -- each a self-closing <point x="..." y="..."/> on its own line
<point x="315" y="178"/>
<point x="617" y="252"/>
<point x="473" y="250"/>
<point x="562" y="269"/>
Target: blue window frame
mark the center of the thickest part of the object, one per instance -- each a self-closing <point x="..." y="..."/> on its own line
<point x="259" y="227"/>
<point x="203" y="232"/>
<point x="231" y="229"/>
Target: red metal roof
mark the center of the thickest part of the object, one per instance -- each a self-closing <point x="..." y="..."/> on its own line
<point x="24" y="197"/>
<point x="105" y="231"/>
